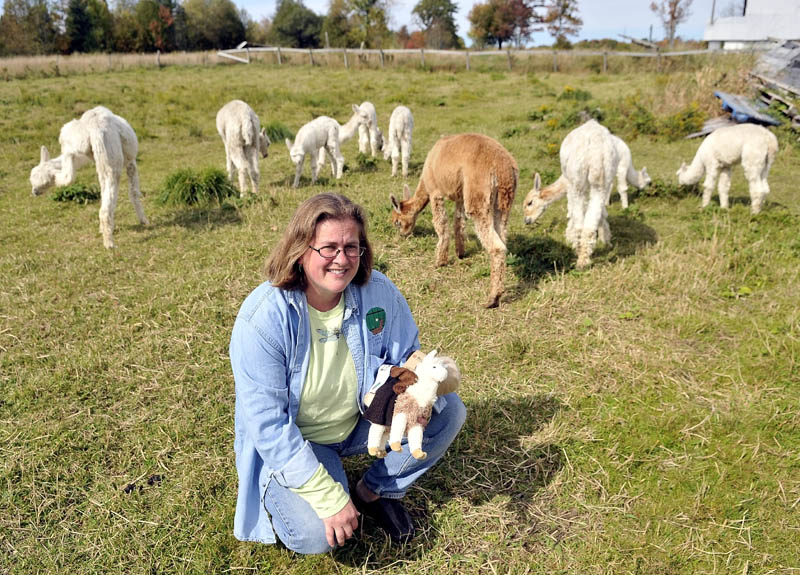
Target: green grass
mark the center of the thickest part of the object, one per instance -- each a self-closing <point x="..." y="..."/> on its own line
<point x="638" y="417"/>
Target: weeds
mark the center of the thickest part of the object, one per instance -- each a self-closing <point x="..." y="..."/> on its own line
<point x="78" y="193"/>
<point x="188" y="187"/>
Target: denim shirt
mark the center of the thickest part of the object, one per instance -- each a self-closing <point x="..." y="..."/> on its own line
<point x="269" y="352"/>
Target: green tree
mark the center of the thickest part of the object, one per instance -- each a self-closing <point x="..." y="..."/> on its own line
<point x="491" y="23"/>
<point x="562" y="20"/>
<point x="369" y="23"/>
<point x="295" y="25"/>
<point x="337" y="25"/>
<point x="89" y="26"/>
<point x="213" y="24"/>
<point x="155" y="30"/>
<point x="28" y="27"/>
<point x="437" y="19"/>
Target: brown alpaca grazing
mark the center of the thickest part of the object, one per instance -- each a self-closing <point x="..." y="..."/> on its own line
<point x="480" y="176"/>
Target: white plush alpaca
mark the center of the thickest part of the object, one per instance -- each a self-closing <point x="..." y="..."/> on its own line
<point x="589" y="163"/>
<point x="241" y="132"/>
<point x="370" y="138"/>
<point x="626" y="173"/>
<point x="110" y="142"/>
<point x="753" y="146"/>
<point x="317" y="137"/>
<point x="412" y="411"/>
<point x="348" y="130"/>
<point x="398" y="144"/>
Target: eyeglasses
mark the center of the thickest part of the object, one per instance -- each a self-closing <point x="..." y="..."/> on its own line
<point x="330" y="252"/>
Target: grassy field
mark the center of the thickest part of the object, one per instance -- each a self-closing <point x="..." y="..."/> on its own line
<point x="639" y="417"/>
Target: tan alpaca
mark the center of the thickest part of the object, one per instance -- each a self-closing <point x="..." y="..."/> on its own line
<point x="480" y="176"/>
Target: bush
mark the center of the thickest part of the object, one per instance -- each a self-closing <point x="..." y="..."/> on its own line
<point x="659" y="188"/>
<point x="683" y="123"/>
<point x="79" y="193"/>
<point x="577" y="95"/>
<point x="191" y="188"/>
<point x="277" y="132"/>
<point x="638" y="118"/>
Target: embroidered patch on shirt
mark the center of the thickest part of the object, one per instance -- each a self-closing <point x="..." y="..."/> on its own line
<point x="376" y="319"/>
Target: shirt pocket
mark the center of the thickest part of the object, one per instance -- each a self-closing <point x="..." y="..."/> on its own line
<point x="375" y="343"/>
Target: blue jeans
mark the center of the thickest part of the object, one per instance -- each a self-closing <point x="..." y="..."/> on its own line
<point x="296" y="523"/>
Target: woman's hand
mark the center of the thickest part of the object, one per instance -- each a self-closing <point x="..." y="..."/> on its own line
<point x="340" y="527"/>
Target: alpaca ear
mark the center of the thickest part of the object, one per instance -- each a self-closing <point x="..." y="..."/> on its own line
<point x="430" y="357"/>
<point x="266" y="137"/>
<point x="537" y="182"/>
<point x="406" y="192"/>
<point x="395" y="205"/>
<point x="356" y="109"/>
<point x="288" y="144"/>
<point x="44" y="155"/>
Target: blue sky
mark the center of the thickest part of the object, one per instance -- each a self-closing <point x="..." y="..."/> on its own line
<point x="601" y="18"/>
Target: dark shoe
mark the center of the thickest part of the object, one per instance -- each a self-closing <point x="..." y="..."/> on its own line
<point x="389" y="515"/>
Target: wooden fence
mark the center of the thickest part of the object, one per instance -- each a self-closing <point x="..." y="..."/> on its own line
<point x="247" y="53"/>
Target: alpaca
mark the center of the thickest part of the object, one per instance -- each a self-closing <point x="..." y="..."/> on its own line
<point x="626" y="173"/>
<point x="398" y="145"/>
<point x="589" y="163"/>
<point x="540" y="198"/>
<point x="480" y="176"/>
<point x="317" y="137"/>
<point x="110" y="142"/>
<point x="347" y="131"/>
<point x="753" y="146"/>
<point x="370" y="137"/>
<point x="241" y="133"/>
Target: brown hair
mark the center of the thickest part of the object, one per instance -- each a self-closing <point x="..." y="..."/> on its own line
<point x="283" y="268"/>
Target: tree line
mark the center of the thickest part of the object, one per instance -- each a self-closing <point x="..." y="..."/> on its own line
<point x="67" y="26"/>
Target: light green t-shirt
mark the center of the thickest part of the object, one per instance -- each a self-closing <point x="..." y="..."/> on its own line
<point x="328" y="409"/>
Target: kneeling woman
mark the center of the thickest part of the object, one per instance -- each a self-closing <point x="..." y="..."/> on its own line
<point x="306" y="348"/>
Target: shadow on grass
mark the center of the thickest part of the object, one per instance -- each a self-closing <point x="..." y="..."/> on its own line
<point x="627" y="235"/>
<point x="194" y="218"/>
<point x="493" y="457"/>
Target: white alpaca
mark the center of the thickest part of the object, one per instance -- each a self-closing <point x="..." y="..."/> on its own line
<point x="753" y="146"/>
<point x="370" y="137"/>
<point x="317" y="137"/>
<point x="398" y="144"/>
<point x="110" y="142"/>
<point x="589" y="163"/>
<point x="241" y="132"/>
<point x="626" y="173"/>
<point x="539" y="199"/>
<point x="348" y="130"/>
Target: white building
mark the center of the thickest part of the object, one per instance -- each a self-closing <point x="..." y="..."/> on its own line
<point x="762" y="21"/>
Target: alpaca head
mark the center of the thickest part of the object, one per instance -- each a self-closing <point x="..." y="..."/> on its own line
<point x="43" y="176"/>
<point x="403" y="216"/>
<point x="534" y="204"/>
<point x="683" y="180"/>
<point x="431" y="368"/>
<point x="362" y="117"/>
<point x="644" y="178"/>
<point x="263" y="143"/>
<point x="296" y="154"/>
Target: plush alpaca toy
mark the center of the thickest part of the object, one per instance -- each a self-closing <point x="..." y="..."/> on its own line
<point x="403" y="405"/>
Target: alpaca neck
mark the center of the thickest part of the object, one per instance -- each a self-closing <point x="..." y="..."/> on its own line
<point x="349" y="129"/>
<point x="695" y="171"/>
<point x="554" y="191"/>
<point x="634" y="177"/>
<point x="416" y="203"/>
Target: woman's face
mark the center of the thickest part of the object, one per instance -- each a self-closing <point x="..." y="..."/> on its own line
<point x="327" y="279"/>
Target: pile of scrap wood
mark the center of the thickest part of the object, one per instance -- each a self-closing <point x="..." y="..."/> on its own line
<point x="777" y="75"/>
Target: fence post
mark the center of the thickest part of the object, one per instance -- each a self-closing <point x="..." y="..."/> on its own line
<point x="467" y="53"/>
<point x="605" y="61"/>
<point x="311" y="56"/>
<point x="158" y="58"/>
<point x="508" y="53"/>
<point x="58" y="72"/>
<point x="381" y="51"/>
<point x="109" y="61"/>
<point x="658" y="59"/>
<point x="248" y="53"/>
<point x="422" y="56"/>
<point x="555" y="61"/>
<point x="279" y="56"/>
<point x="346" y="65"/>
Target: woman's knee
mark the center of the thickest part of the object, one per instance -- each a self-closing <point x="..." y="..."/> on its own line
<point x="310" y="541"/>
<point x="454" y="413"/>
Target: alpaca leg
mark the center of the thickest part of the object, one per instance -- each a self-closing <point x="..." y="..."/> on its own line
<point x="406" y="153"/>
<point x="399" y="421"/>
<point x="315" y="165"/>
<point x="622" y="189"/>
<point x="252" y="169"/>
<point x="758" y="187"/>
<point x="363" y="139"/>
<point x="458" y="229"/>
<point x="591" y="222"/>
<point x="376" y="444"/>
<point x="724" y="186"/>
<point x="496" y="248"/>
<point x="242" y="169"/>
<point x="134" y="192"/>
<point x="603" y="231"/>
<point x="395" y="161"/>
<point x="108" y="204"/>
<point x="298" y="171"/>
<point x="708" y="185"/>
<point x="415" y="442"/>
<point x="373" y="142"/>
<point x="337" y="158"/>
<point x="321" y="161"/>
<point x="442" y="229"/>
<point x="575" y="214"/>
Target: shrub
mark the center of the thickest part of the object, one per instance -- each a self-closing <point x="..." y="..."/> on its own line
<point x="659" y="188"/>
<point x="578" y="95"/>
<point x="683" y="123"/>
<point x="190" y="188"/>
<point x="277" y="132"/>
<point x="638" y="118"/>
<point x="79" y="193"/>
